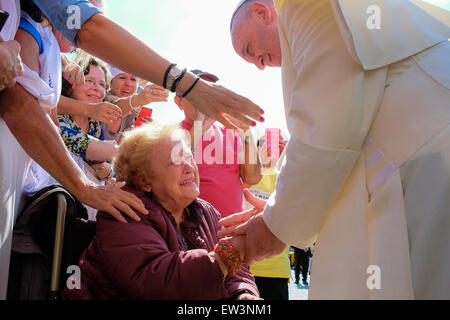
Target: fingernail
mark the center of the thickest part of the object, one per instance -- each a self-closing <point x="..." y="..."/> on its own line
<point x="262" y="111"/>
<point x="253" y="124"/>
<point x="262" y="119"/>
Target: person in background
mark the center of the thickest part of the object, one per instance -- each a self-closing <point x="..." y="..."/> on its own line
<point x="302" y="263"/>
<point x="124" y="85"/>
<point x="83" y="136"/>
<point x="271" y="275"/>
<point x="218" y="154"/>
<point x="174" y="252"/>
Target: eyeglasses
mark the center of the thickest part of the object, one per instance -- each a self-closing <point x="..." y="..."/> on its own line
<point x="92" y="83"/>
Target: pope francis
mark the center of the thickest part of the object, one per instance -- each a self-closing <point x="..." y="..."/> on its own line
<point x="366" y="86"/>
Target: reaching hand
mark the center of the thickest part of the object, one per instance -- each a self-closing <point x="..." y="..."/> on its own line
<point x="104" y="112"/>
<point x="247" y="296"/>
<point x="151" y="93"/>
<point x="256" y="202"/>
<point x="217" y="102"/>
<point x="72" y="72"/>
<point x="261" y="243"/>
<point x="10" y="63"/>
<point x="231" y="222"/>
<point x="113" y="200"/>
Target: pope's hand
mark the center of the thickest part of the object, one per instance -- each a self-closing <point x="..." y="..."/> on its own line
<point x="261" y="243"/>
<point x="231" y="222"/>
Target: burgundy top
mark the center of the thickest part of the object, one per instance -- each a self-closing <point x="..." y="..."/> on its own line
<point x="149" y="259"/>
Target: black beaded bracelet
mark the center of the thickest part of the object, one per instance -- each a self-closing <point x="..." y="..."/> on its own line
<point x="167" y="73"/>
<point x="191" y="87"/>
<point x="175" y="83"/>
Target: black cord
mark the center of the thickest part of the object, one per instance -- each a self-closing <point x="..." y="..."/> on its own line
<point x="175" y="83"/>
<point x="190" y="89"/>
<point x="167" y="73"/>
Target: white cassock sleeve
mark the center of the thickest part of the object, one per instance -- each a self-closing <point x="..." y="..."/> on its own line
<point x="330" y="103"/>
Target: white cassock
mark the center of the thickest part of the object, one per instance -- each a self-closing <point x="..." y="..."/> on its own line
<point x="367" y="168"/>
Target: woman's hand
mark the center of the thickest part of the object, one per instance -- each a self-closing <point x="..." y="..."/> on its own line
<point x="72" y="72"/>
<point x="10" y="63"/>
<point x="102" y="170"/>
<point x="104" y="112"/>
<point x="238" y="243"/>
<point x="151" y="93"/>
<point x="113" y="200"/>
<point x="247" y="296"/>
<point x="218" y="102"/>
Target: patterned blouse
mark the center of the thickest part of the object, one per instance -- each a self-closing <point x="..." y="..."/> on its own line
<point x="75" y="139"/>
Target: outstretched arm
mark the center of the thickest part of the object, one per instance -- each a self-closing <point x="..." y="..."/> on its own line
<point x="99" y="36"/>
<point x="39" y="137"/>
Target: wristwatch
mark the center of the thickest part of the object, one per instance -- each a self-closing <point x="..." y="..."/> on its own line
<point x="173" y="75"/>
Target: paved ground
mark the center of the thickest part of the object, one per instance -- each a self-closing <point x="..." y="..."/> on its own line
<point x="297" y="291"/>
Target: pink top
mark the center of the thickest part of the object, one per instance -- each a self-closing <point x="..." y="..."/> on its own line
<point x="218" y="167"/>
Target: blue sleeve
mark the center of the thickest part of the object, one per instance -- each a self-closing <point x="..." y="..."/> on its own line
<point x="67" y="16"/>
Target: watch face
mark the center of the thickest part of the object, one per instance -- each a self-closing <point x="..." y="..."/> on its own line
<point x="175" y="72"/>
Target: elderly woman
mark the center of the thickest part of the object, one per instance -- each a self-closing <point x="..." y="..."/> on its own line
<point x="173" y="252"/>
<point x="122" y="92"/>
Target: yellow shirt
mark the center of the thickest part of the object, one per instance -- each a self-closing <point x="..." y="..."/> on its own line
<point x="277" y="266"/>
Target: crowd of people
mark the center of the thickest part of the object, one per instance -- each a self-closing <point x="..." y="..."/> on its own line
<point x="204" y="209"/>
<point x="94" y="107"/>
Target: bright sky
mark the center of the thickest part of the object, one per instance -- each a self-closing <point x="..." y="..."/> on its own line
<point x="195" y="34"/>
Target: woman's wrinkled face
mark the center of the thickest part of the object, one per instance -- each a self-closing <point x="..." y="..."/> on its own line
<point x="124" y="85"/>
<point x="94" y="88"/>
<point x="173" y="173"/>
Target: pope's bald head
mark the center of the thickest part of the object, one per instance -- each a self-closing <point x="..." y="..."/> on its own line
<point x="243" y="11"/>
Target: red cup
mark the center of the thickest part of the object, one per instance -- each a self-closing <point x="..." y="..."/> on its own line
<point x="145" y="113"/>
